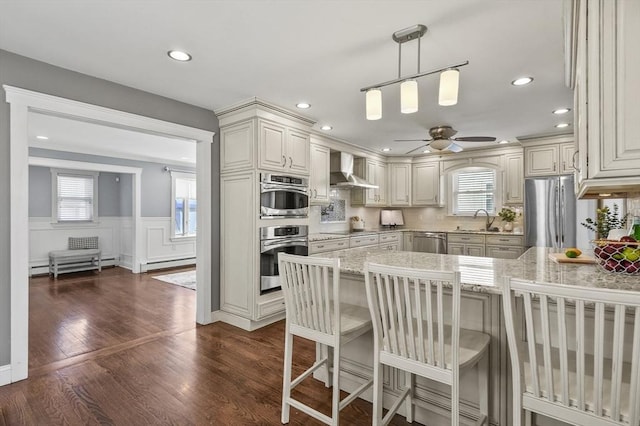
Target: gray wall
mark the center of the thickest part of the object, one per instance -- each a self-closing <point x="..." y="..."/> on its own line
<point x="126" y="195"/>
<point x="30" y="74"/>
<point x="155" y="184"/>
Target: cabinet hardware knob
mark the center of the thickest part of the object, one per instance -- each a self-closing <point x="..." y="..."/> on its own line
<point x="290" y="162"/>
<point x="284" y="161"/>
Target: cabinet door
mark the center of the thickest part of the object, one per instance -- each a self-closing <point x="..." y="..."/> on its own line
<point x="455" y="248"/>
<point x="271" y="142"/>
<point x="503" y="252"/>
<point x="541" y="160"/>
<point x="425" y="187"/>
<point x="297" y="152"/>
<point x="407" y="244"/>
<point x="613" y="86"/>
<point x="319" y="174"/>
<point x="567" y="151"/>
<point x="237" y="149"/>
<point x="371" y="175"/>
<point x="400" y="184"/>
<point x="514" y="179"/>
<point x="381" y="181"/>
<point x="474" y="250"/>
<point x="580" y="97"/>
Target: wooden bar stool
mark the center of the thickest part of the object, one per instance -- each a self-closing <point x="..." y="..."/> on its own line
<point x="311" y="288"/>
<point x="411" y="330"/>
<point x="579" y="361"/>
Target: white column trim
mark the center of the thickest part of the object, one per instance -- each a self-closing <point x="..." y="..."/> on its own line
<point x="21" y="103"/>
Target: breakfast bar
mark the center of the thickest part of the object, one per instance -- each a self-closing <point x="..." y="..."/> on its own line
<point x="482" y="280"/>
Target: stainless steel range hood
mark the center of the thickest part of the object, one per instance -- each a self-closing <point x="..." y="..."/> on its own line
<point x="341" y="176"/>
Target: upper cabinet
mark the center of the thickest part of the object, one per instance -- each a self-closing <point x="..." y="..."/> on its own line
<point x="513" y="182"/>
<point x="319" y="176"/>
<point x="399" y="184"/>
<point x="375" y="172"/>
<point x="606" y="63"/>
<point x="426" y="183"/>
<point x="282" y="148"/>
<point x="258" y="135"/>
<point x="549" y="156"/>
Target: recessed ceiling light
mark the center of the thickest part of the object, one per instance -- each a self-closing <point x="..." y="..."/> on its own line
<point x="426" y="151"/>
<point x="303" y="105"/>
<point x="386" y="149"/>
<point x="326" y="127"/>
<point x="503" y="141"/>
<point x="562" y="125"/>
<point x="179" y="55"/>
<point x="522" y="81"/>
<point x="562" y="111"/>
<point x="44" y="138"/>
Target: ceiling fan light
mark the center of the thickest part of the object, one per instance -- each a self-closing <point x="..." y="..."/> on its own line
<point x="449" y="82"/>
<point x="374" y="104"/>
<point x="409" y="96"/>
<point x="440" y="144"/>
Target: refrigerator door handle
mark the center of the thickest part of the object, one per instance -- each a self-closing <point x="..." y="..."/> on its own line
<point x="558" y="217"/>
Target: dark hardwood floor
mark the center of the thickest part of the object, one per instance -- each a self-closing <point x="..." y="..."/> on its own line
<point x="123" y="349"/>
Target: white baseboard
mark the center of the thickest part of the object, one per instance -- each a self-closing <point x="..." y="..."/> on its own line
<point x="244" y="323"/>
<point x="5" y="374"/>
<point x="167" y="264"/>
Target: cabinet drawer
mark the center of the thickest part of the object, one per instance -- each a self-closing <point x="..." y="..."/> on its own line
<point x="505" y="240"/>
<point x="270" y="307"/>
<point x="503" y="252"/>
<point x="390" y="237"/>
<point x="366" y="240"/>
<point x="328" y="245"/>
<point x="465" y="238"/>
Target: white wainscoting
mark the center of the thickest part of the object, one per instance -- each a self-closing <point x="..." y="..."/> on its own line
<point x="126" y="242"/>
<point x="5" y="374"/>
<point x="45" y="236"/>
<point x="159" y="250"/>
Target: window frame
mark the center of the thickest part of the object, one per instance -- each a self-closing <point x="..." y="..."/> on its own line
<point x="174" y="177"/>
<point x="451" y="179"/>
<point x="54" y="195"/>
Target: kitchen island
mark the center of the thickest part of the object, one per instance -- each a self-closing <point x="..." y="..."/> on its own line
<point x="482" y="280"/>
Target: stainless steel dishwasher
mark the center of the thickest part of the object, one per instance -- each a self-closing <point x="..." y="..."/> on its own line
<point x="430" y="242"/>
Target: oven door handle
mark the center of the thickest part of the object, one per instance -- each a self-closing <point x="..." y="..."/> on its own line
<point x="270" y="245"/>
<point x="274" y="188"/>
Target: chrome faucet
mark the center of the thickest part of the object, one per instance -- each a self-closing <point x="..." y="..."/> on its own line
<point x="489" y="220"/>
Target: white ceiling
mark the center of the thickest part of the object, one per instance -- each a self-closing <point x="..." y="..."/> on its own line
<point x="322" y="52"/>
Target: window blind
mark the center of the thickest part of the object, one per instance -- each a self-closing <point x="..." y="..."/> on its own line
<point x="75" y="198"/>
<point x="474" y="190"/>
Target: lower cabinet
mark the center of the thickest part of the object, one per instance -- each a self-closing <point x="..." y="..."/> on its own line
<point x="328" y="245"/>
<point x="504" y="246"/>
<point x="465" y="244"/>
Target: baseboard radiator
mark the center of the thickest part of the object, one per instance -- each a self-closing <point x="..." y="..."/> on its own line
<point x="40" y="269"/>
<point x="169" y="263"/>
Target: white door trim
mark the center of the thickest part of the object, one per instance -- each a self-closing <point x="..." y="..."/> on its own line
<point x="21" y="103"/>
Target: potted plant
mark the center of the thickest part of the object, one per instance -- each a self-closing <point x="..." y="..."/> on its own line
<point x="507" y="215"/>
<point x="606" y="220"/>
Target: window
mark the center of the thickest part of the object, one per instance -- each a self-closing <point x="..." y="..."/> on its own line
<point x="183" y="210"/>
<point x="473" y="188"/>
<point x="76" y="196"/>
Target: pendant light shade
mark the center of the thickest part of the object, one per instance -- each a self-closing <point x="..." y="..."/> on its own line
<point x="449" y="81"/>
<point x="409" y="96"/>
<point x="374" y="104"/>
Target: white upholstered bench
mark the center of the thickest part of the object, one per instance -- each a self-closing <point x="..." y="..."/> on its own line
<point x="83" y="255"/>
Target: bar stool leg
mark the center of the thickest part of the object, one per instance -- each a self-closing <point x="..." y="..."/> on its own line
<point x="286" y="385"/>
<point x="411" y="381"/>
<point x="335" y="406"/>
<point x="483" y="385"/>
<point x="377" y="390"/>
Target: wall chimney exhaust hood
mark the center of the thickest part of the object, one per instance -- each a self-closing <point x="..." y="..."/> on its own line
<point x="341" y="176"/>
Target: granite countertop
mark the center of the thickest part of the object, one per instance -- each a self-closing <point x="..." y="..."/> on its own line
<point x="323" y="236"/>
<point x="484" y="274"/>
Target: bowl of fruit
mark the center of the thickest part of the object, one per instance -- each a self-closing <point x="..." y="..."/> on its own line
<point x="618" y="256"/>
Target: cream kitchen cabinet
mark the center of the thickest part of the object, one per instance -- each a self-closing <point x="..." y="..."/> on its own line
<point x="281" y="148"/>
<point x="390" y="240"/>
<point x="374" y="172"/>
<point x="465" y="244"/>
<point x="549" y="158"/>
<point x="425" y="184"/>
<point x="504" y="246"/>
<point x="607" y="81"/>
<point x="328" y="245"/>
<point x="237" y="146"/>
<point x="399" y="184"/>
<point x="319" y="175"/>
<point x="513" y="182"/>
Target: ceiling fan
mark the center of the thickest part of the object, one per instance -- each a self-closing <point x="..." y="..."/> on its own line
<point x="442" y="139"/>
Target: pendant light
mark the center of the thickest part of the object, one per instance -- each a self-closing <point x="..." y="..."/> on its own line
<point x="374" y="104"/>
<point x="449" y="80"/>
<point x="409" y="96"/>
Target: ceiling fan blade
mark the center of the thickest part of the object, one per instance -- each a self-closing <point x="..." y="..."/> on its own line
<point x="416" y="149"/>
<point x="454" y="147"/>
<point x="475" y="139"/>
<point x="412" y="140"/>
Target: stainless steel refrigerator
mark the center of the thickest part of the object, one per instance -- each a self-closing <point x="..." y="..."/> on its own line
<point x="550" y="211"/>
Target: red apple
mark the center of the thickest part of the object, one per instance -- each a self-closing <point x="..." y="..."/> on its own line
<point x="628" y="239"/>
<point x="633" y="268"/>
